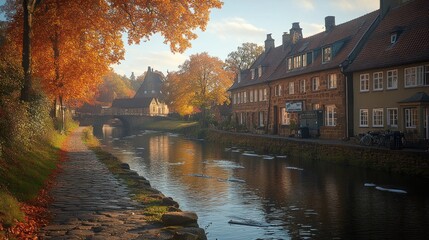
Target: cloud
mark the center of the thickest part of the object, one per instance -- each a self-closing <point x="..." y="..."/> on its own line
<point x="230" y="28"/>
<point x="306" y="4"/>
<point x="310" y="29"/>
<point x="353" y="5"/>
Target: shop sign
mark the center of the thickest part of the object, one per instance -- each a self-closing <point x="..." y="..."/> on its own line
<point x="293" y="106"/>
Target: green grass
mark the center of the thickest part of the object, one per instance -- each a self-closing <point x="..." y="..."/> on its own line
<point x="23" y="173"/>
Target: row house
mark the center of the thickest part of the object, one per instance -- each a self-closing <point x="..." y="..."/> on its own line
<point x="391" y="73"/>
<point x="371" y="73"/>
<point x="305" y="83"/>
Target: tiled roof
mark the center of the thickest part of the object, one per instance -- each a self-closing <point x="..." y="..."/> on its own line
<point x="152" y="84"/>
<point x="269" y="61"/>
<point x="343" y="39"/>
<point x="411" y="22"/>
<point x="132" y="102"/>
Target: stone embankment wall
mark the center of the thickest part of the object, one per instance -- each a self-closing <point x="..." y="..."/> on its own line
<point x="398" y="161"/>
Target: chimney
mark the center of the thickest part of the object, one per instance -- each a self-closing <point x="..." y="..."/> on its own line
<point x="295" y="32"/>
<point x="269" y="43"/>
<point x="329" y="23"/>
<point x="286" y="38"/>
<point x="149" y="69"/>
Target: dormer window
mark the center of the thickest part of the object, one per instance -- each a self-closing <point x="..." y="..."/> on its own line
<point x="252" y="72"/>
<point x="239" y="77"/>
<point x="393" y="38"/>
<point x="260" y="71"/>
<point x="326" y="54"/>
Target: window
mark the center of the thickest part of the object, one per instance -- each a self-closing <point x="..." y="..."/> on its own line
<point x="304" y="60"/>
<point x="363" y="116"/>
<point x="261" y="96"/>
<point x="331" y="115"/>
<point x="259" y="71"/>
<point x="410" y="117"/>
<point x="252" y="72"/>
<point x="393" y="37"/>
<point x="364" y="82"/>
<point x="392" y="117"/>
<point x="289" y="64"/>
<point x="326" y="54"/>
<point x="245" y="97"/>
<point x="265" y="94"/>
<point x="278" y="90"/>
<point x="251" y="95"/>
<point x="417" y="76"/>
<point x="234" y="99"/>
<point x="332" y="81"/>
<point x="377" y="117"/>
<point x="298" y="61"/>
<point x="392" y="79"/>
<point x="285" y="117"/>
<point x="315" y="84"/>
<point x="378" y="81"/>
<point x="261" y="119"/>
<point x="241" y="118"/>
<point x="317" y="106"/>
<point x="309" y="58"/>
<point x="291" y="88"/>
<point x="256" y="95"/>
<point x="302" y="86"/>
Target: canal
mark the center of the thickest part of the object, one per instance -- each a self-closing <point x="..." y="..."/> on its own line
<point x="240" y="194"/>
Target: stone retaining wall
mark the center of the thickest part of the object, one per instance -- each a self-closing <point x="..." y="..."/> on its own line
<point x="399" y="161"/>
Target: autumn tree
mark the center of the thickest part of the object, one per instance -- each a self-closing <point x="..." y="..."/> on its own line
<point x="200" y="83"/>
<point x="175" y="20"/>
<point x="243" y="58"/>
<point x="114" y="86"/>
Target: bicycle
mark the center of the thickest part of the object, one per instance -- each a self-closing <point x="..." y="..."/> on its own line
<point x="379" y="139"/>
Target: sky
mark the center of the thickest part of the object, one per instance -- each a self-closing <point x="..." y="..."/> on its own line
<point x="240" y="21"/>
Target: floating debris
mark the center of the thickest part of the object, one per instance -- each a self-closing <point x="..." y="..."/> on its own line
<point x="236" y="180"/>
<point x="295" y="168"/>
<point x="199" y="175"/>
<point x="268" y="157"/>
<point x="250" y="154"/>
<point x="140" y="148"/>
<point x="391" y="190"/>
<point x="369" y="185"/>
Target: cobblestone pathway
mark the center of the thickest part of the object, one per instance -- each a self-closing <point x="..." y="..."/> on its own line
<point x="89" y="203"/>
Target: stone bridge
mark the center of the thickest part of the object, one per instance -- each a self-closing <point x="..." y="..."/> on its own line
<point x="129" y="123"/>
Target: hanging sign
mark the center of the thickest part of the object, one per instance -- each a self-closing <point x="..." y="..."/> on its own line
<point x="293" y="106"/>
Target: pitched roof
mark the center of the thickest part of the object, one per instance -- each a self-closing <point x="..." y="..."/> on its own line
<point x="343" y="39"/>
<point x="143" y="102"/>
<point x="420" y="97"/>
<point x="151" y="85"/>
<point x="411" y="24"/>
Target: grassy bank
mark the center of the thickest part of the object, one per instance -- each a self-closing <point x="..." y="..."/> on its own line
<point x="23" y="174"/>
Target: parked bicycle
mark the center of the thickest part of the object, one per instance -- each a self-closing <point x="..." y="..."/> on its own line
<point x="383" y="139"/>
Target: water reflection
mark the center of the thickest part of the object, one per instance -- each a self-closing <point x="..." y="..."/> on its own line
<point x="289" y="198"/>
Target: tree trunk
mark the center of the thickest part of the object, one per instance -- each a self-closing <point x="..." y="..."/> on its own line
<point x="26" y="91"/>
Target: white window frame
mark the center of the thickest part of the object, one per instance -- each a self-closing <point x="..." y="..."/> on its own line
<point x="410" y="77"/>
<point x="289" y="64"/>
<point x="302" y="86"/>
<point x="392" y="117"/>
<point x="410" y="117"/>
<point x="265" y="94"/>
<point x="364" y="82"/>
<point x="255" y="95"/>
<point x="363" y="117"/>
<point x="326" y="54"/>
<point x="392" y="79"/>
<point x="261" y="119"/>
<point x="245" y="97"/>
<point x="377" y="81"/>
<point x="315" y="84"/>
<point x="378" y="117"/>
<point x="260" y="71"/>
<point x="331" y="116"/>
<point x="291" y="88"/>
<point x="285" y="117"/>
<point x="332" y="81"/>
<point x="252" y="72"/>
<point x="261" y="95"/>
<point x="251" y="95"/>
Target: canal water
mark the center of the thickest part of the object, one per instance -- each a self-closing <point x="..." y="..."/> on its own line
<point x="239" y="194"/>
